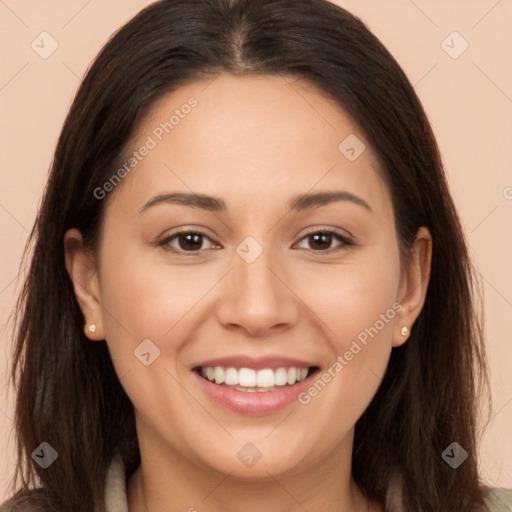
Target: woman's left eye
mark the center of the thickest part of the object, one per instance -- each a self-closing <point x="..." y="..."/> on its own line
<point x="323" y="240"/>
<point x="192" y="241"/>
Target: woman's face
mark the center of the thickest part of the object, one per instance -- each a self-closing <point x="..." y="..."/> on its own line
<point x="281" y="279"/>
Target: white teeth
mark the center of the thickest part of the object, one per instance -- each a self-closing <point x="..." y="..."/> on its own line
<point x="231" y="376"/>
<point x="292" y="375"/>
<point x="265" y="379"/>
<point x="281" y="376"/>
<point x="254" y="380"/>
<point x="247" y="377"/>
<point x="218" y="374"/>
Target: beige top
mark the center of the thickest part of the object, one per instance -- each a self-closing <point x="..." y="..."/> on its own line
<point x="498" y="500"/>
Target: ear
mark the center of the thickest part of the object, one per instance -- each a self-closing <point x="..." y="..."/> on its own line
<point x="413" y="285"/>
<point x="82" y="271"/>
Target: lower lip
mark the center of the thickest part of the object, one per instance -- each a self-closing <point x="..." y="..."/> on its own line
<point x="256" y="403"/>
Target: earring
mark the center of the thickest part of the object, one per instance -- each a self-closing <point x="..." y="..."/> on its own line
<point x="404" y="331"/>
<point x="92" y="328"/>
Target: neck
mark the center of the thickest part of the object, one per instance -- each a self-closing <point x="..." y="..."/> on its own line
<point x="167" y="482"/>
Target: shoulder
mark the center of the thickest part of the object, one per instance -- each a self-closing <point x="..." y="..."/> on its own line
<point x="499" y="500"/>
<point x="36" y="500"/>
<point x="495" y="500"/>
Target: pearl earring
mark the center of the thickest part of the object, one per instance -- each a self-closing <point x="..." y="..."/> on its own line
<point x="92" y="328"/>
<point x="404" y="331"/>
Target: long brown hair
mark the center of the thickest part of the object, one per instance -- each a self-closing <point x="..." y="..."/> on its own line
<point x="68" y="393"/>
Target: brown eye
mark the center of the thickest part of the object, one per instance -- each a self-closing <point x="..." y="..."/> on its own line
<point x="187" y="241"/>
<point x="320" y="241"/>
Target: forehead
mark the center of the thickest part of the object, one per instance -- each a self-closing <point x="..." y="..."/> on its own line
<point x="250" y="137"/>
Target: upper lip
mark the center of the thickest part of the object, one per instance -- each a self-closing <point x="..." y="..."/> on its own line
<point x="257" y="363"/>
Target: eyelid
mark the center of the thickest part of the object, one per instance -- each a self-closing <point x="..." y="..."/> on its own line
<point x="325" y="229"/>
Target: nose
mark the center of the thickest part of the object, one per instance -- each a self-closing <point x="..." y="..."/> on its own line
<point x="257" y="298"/>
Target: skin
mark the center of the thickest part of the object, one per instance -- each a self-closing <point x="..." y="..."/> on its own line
<point x="254" y="142"/>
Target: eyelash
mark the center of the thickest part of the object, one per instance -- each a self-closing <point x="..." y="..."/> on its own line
<point x="345" y="241"/>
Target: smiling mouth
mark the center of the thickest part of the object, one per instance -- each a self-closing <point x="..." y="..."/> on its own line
<point x="250" y="380"/>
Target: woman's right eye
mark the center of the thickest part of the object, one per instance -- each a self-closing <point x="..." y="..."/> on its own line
<point x="186" y="241"/>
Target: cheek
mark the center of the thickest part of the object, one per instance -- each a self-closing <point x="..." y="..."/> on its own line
<point x="155" y="302"/>
<point x="356" y="306"/>
<point x="148" y="300"/>
<point x="353" y="298"/>
<point x="144" y="302"/>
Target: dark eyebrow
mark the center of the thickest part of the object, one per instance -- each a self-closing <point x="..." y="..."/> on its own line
<point x="306" y="201"/>
<point x="214" y="204"/>
<point x="211" y="204"/>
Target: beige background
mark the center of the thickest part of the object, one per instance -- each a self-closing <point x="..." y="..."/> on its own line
<point x="468" y="100"/>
